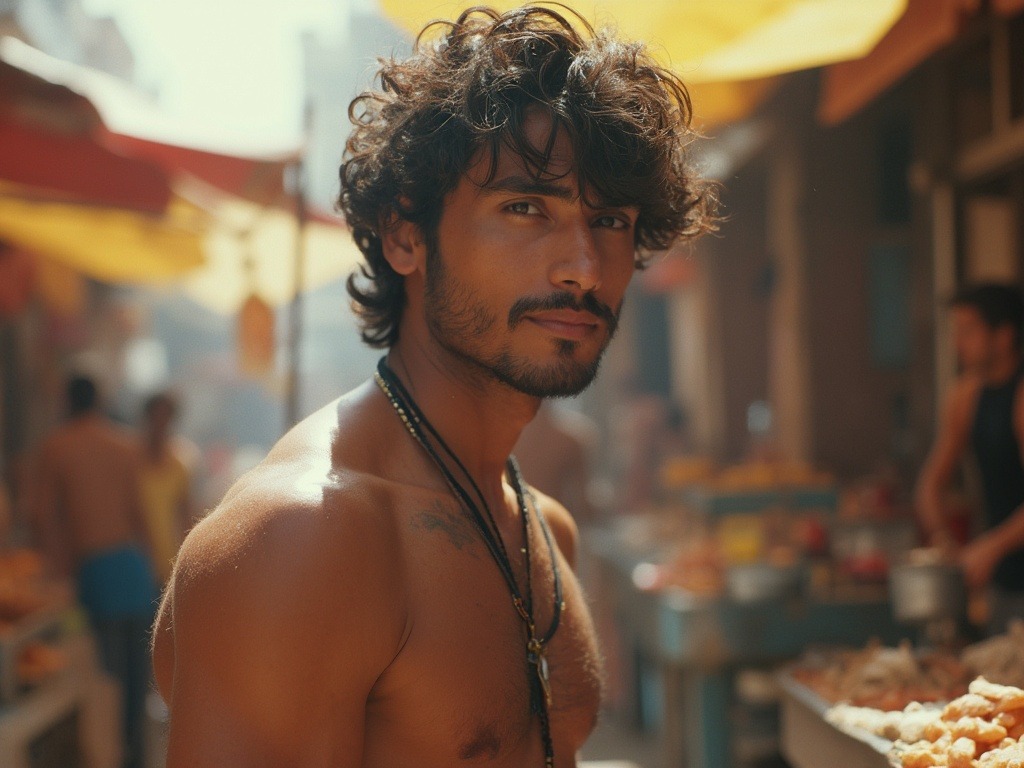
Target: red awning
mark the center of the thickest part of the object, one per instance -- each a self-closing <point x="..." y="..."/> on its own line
<point x="94" y="103"/>
<point x="257" y="180"/>
<point x="926" y="27"/>
<point x="76" y="169"/>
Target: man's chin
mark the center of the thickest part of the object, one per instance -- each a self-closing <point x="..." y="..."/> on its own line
<point x="561" y="379"/>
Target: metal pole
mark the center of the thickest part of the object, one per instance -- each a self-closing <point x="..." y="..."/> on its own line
<point x="292" y="407"/>
<point x="292" y="411"/>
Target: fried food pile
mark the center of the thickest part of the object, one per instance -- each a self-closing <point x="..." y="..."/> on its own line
<point x="981" y="729"/>
<point x="909" y="725"/>
<point x="883" y="678"/>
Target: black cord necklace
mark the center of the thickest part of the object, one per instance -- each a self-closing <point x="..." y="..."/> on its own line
<point x="425" y="434"/>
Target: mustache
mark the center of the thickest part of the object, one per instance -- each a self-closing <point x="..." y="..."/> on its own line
<point x="588" y="303"/>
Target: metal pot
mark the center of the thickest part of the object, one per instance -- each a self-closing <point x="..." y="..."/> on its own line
<point x="925" y="592"/>
<point x="762" y="581"/>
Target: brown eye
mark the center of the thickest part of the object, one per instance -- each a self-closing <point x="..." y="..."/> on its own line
<point x="613" y="222"/>
<point x="523" y="208"/>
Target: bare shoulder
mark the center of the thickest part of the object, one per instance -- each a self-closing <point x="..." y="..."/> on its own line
<point x="292" y="537"/>
<point x="285" y="605"/>
<point x="561" y="523"/>
<point x="300" y="532"/>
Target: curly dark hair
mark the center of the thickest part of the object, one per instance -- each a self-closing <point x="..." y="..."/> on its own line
<point x="468" y="90"/>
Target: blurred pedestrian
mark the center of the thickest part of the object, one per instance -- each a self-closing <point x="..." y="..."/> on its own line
<point x="89" y="518"/>
<point x="637" y="423"/>
<point x="984" y="416"/>
<point x="166" y="481"/>
<point x="556" y="452"/>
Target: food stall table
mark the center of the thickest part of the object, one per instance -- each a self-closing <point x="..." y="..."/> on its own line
<point x="698" y="644"/>
<point x="808" y="740"/>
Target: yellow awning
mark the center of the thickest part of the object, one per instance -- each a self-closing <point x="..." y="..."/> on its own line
<point x="251" y="250"/>
<point x="717" y="41"/>
<point x="717" y="104"/>
<point x="111" y="245"/>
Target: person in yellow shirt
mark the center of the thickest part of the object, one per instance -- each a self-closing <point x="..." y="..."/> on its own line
<point x="165" y="482"/>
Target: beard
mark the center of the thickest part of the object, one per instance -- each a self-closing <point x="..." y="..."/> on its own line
<point x="461" y="323"/>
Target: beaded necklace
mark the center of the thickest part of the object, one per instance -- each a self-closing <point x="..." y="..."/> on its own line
<point x="426" y="436"/>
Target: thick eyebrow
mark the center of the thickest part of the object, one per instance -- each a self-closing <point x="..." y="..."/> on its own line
<point x="523" y="185"/>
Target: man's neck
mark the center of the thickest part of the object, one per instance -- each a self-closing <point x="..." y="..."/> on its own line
<point x="479" y="417"/>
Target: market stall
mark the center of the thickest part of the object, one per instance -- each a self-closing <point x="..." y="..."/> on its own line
<point x="729" y="577"/>
<point x="907" y="707"/>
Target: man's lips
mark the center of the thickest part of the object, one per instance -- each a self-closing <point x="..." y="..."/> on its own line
<point x="567" y="323"/>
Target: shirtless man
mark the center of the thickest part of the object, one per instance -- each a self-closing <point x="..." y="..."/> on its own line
<point x="88" y="514"/>
<point x="343" y="606"/>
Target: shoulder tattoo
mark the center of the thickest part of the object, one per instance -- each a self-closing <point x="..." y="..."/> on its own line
<point x="452" y="522"/>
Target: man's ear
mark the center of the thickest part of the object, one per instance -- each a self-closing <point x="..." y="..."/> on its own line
<point x="404" y="246"/>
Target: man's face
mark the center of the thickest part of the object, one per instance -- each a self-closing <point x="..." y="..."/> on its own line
<point x="527" y="280"/>
<point x="974" y="340"/>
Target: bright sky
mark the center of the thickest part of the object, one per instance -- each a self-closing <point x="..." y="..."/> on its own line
<point x="233" y="64"/>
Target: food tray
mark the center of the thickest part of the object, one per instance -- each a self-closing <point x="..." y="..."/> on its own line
<point x="808" y="740"/>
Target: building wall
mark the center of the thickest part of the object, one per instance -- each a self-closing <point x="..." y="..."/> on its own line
<point x="741" y="278"/>
<point x="868" y="273"/>
<point x="847" y="250"/>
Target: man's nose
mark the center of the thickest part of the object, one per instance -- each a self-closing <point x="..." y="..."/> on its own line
<point x="577" y="264"/>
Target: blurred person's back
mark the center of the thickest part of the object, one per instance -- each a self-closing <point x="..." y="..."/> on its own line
<point x="88" y="487"/>
<point x="89" y="518"/>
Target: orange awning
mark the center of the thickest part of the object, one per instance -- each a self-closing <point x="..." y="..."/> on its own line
<point x="926" y="27"/>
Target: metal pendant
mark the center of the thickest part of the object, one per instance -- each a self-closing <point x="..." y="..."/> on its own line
<point x="538" y="658"/>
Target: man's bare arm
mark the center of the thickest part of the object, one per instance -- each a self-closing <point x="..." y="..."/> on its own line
<point x="281" y="624"/>
<point x="947" y="452"/>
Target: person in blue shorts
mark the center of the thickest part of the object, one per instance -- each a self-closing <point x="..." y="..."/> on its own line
<point x="91" y="527"/>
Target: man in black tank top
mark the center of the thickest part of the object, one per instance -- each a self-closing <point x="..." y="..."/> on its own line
<point x="984" y="415"/>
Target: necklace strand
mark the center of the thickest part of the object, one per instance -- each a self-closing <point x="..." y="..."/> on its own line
<point x="406" y="401"/>
<point x="420" y="428"/>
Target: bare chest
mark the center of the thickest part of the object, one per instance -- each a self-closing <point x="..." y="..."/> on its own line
<point x="461" y="687"/>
